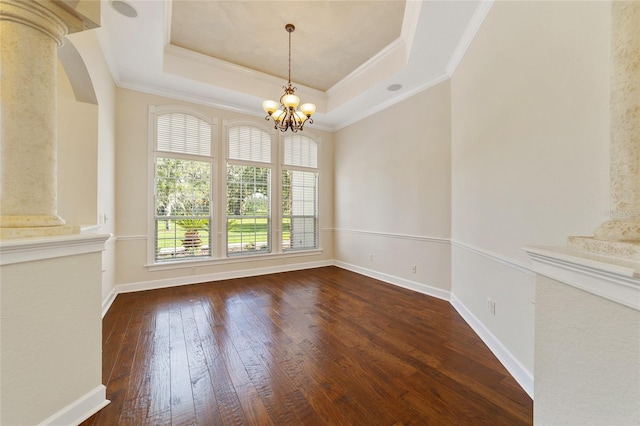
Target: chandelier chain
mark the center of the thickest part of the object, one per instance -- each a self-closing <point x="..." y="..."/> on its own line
<point x="290" y="56"/>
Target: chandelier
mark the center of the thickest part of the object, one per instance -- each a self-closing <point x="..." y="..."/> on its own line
<point x="285" y="114"/>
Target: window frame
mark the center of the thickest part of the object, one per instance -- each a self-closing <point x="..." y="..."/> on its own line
<point x="218" y="160"/>
<point x="154" y="154"/>
<point x="273" y="143"/>
<point x="317" y="171"/>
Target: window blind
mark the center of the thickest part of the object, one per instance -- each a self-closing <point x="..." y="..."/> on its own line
<point x="183" y="133"/>
<point x="300" y="151"/>
<point x="249" y="144"/>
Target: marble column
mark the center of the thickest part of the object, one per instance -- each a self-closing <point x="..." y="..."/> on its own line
<point x="30" y="33"/>
<point x="624" y="223"/>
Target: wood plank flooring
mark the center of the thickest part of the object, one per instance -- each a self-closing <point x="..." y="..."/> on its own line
<point x="316" y="347"/>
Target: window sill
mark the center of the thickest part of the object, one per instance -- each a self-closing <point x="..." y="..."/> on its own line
<point x="183" y="264"/>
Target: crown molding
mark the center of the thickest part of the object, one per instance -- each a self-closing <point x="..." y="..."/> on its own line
<point x="218" y="64"/>
<point x="231" y="77"/>
<point x="469" y="34"/>
<point x="410" y="23"/>
<point x="389" y="61"/>
<point x="166" y="26"/>
<point x="204" y="100"/>
<point x="179" y="95"/>
<point x="219" y="68"/>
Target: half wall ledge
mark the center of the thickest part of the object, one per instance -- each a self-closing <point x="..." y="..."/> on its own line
<point x="614" y="279"/>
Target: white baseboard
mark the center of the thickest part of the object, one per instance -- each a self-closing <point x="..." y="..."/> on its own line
<point x="511" y="363"/>
<point x="196" y="279"/>
<point x="400" y="282"/>
<point x="81" y="409"/>
<point x="106" y="303"/>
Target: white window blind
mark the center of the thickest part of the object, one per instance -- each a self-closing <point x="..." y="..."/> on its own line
<point x="300" y="194"/>
<point x="249" y="144"/>
<point x="300" y="151"/>
<point x="183" y="133"/>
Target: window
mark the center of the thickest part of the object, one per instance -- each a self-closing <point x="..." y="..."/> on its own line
<point x="256" y="193"/>
<point x="300" y="194"/>
<point x="182" y="187"/>
<point x="248" y="191"/>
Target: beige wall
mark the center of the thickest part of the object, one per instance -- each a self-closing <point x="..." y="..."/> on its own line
<point x="51" y="336"/>
<point x="587" y="358"/>
<point x="86" y="151"/>
<point x="392" y="192"/>
<point x="132" y="198"/>
<point x="529" y="152"/>
<point x="77" y="156"/>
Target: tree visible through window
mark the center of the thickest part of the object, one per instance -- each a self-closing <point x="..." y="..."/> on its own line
<point x="248" y="191"/>
<point x="182" y="187"/>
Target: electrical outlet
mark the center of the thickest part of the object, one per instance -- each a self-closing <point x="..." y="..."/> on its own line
<point x="370" y="257"/>
<point x="413" y="269"/>
<point x="491" y="306"/>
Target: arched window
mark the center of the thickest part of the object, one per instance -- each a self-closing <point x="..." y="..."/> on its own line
<point x="182" y="182"/>
<point x="249" y="166"/>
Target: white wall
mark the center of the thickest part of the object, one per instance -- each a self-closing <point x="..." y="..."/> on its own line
<point x="587" y="358"/>
<point x="132" y="198"/>
<point x="392" y="193"/>
<point x="530" y="160"/>
<point x="51" y="332"/>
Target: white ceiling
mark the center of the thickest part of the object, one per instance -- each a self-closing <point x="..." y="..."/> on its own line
<point x="233" y="54"/>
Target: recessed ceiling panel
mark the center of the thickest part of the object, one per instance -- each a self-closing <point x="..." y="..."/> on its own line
<point x="332" y="38"/>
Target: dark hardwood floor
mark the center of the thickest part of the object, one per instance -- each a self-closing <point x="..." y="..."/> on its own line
<point x="316" y="347"/>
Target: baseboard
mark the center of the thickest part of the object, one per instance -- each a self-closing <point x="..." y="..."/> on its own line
<point x="196" y="279"/>
<point x="511" y="363"/>
<point x="106" y="303"/>
<point x="400" y="282"/>
<point x="81" y="409"/>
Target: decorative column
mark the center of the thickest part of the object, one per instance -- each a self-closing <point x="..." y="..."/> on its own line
<point x="30" y="33"/>
<point x="620" y="236"/>
<point x="625" y="124"/>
